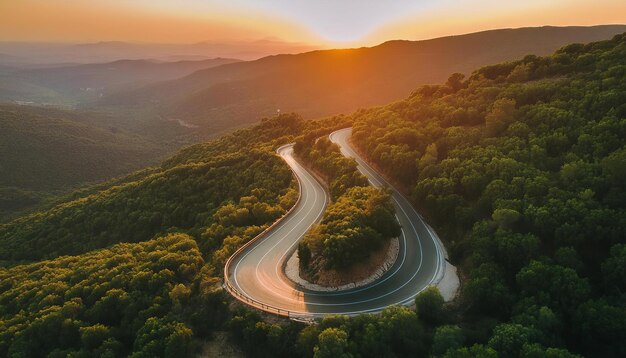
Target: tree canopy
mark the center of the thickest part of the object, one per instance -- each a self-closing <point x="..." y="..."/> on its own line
<point x="520" y="169"/>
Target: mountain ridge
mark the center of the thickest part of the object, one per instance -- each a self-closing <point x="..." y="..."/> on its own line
<point x="236" y="93"/>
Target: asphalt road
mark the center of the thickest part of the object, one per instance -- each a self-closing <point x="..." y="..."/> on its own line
<point x="255" y="274"/>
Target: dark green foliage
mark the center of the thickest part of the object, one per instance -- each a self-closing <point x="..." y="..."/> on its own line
<point x="446" y="338"/>
<point x="600" y="325"/>
<point x="429" y="306"/>
<point x="475" y="351"/>
<point x="521" y="169"/>
<point x="396" y="332"/>
<point x="509" y="339"/>
<point x="614" y="270"/>
<point x="359" y="221"/>
<point x="324" y="157"/>
<point x="263" y="339"/>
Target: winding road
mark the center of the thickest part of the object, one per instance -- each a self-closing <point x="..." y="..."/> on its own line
<point x="254" y="274"/>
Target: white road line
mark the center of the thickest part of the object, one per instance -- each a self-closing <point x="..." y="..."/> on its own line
<point x="376" y="180"/>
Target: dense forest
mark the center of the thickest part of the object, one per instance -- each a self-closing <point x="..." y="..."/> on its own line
<point x="142" y="300"/>
<point x="520" y="168"/>
<point x="358" y="223"/>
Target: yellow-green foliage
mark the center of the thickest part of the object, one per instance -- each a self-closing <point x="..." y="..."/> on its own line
<point x="357" y="223"/>
<point x="324" y="157"/>
<point x="108" y="301"/>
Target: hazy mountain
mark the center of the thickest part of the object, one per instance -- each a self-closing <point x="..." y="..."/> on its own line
<point x="73" y="83"/>
<point x="108" y="51"/>
<point x="104" y="75"/>
<point x="325" y="82"/>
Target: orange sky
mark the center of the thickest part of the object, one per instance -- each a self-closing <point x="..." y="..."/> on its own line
<point x="322" y="22"/>
<point x="91" y="21"/>
<point x="460" y="20"/>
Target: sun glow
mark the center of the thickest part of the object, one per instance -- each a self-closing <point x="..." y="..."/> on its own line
<point x="322" y="22"/>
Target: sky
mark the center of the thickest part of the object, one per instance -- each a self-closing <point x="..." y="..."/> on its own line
<point x="322" y="22"/>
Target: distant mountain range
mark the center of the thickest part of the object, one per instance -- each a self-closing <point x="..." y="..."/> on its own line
<point x="26" y="53"/>
<point x="74" y="83"/>
<point x="320" y="83"/>
<point x="121" y="72"/>
<point x="165" y="98"/>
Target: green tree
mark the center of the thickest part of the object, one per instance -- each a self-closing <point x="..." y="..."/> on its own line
<point x="429" y="305"/>
<point x="614" y="270"/>
<point x="476" y="351"/>
<point x="500" y="116"/>
<point x="508" y="339"/>
<point x="93" y="336"/>
<point x="455" y="81"/>
<point x="447" y="338"/>
<point x="332" y="342"/>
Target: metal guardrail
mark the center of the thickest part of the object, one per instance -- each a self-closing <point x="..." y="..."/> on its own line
<point x="240" y="296"/>
<point x="254" y="303"/>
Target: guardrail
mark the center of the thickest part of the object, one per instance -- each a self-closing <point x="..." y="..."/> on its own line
<point x="240" y="296"/>
<point x="252" y="302"/>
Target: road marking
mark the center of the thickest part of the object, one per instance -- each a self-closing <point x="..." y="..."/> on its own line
<point x="400" y="202"/>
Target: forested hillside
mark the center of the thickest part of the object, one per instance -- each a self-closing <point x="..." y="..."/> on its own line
<point x="229" y="182"/>
<point x="146" y="296"/>
<point x="521" y="169"/>
<point x="43" y="150"/>
<point x="142" y="300"/>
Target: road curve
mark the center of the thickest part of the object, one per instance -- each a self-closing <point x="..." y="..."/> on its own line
<point x="254" y="274"/>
